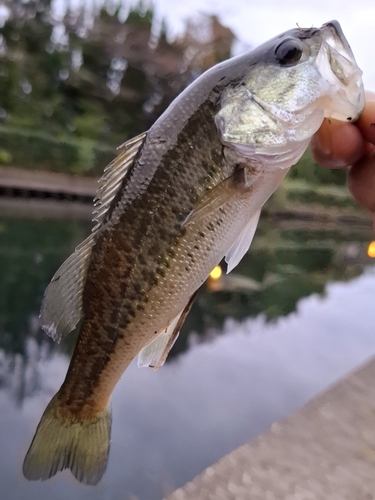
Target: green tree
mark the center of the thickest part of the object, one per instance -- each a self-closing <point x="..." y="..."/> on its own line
<point x="89" y="89"/>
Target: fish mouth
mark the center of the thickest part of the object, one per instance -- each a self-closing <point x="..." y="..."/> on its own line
<point x="335" y="30"/>
<point x="336" y="63"/>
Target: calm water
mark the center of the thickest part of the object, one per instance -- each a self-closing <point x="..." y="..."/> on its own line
<point x="296" y="315"/>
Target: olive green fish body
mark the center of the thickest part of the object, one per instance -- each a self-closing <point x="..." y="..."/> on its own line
<point x="147" y="262"/>
<point x="139" y="274"/>
<point x="175" y="201"/>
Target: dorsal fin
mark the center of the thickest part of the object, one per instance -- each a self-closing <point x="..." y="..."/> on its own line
<point x="62" y="303"/>
<point x="113" y="176"/>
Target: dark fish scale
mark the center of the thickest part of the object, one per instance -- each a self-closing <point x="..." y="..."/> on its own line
<point x="141" y="259"/>
<point x="160" y="271"/>
<point x="154" y="249"/>
<point x="137" y="288"/>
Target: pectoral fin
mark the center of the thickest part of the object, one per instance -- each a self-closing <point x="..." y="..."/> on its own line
<point x="214" y="199"/>
<point x="242" y="243"/>
<point x="155" y="354"/>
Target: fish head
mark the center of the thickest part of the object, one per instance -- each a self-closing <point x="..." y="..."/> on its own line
<point x="289" y="85"/>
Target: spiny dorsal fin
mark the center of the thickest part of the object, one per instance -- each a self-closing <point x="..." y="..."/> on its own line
<point x="62" y="303"/>
<point x="113" y="176"/>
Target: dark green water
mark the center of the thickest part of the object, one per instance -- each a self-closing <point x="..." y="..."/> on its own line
<point x="293" y="317"/>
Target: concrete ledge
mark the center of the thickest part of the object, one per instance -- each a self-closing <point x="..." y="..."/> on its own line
<point x="16" y="178"/>
<point x="326" y="451"/>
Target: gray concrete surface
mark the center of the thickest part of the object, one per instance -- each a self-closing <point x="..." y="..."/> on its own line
<point x="326" y="451"/>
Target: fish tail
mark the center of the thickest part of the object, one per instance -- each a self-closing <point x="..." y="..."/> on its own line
<point x="69" y="443"/>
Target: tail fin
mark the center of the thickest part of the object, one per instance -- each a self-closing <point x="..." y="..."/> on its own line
<point x="79" y="445"/>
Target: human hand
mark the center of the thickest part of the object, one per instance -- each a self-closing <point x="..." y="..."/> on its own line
<point x="342" y="145"/>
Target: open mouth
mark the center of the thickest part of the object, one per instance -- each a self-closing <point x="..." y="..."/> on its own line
<point x="336" y="63"/>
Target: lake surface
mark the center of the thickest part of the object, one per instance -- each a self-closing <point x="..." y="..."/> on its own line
<point x="297" y="314"/>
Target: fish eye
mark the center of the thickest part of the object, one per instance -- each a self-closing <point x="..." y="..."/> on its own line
<point x="288" y="53"/>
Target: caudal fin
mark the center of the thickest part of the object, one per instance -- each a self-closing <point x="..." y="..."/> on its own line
<point x="79" y="445"/>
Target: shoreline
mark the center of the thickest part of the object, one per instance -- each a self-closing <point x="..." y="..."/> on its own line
<point x="53" y="195"/>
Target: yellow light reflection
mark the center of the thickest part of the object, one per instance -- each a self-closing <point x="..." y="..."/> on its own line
<point x="216" y="273"/>
<point x="371" y="250"/>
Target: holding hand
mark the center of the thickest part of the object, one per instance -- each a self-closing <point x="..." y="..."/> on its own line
<point x="342" y="145"/>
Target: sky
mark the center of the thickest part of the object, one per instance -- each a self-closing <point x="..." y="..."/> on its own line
<point x="254" y="22"/>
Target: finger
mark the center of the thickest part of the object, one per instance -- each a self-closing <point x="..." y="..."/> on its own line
<point x="337" y="144"/>
<point x="361" y="182"/>
<point x="366" y="122"/>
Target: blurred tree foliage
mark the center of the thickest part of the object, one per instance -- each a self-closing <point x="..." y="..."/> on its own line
<point x="73" y="89"/>
<point x="313" y="173"/>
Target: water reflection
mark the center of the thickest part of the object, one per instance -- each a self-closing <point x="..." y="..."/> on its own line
<point x="240" y="373"/>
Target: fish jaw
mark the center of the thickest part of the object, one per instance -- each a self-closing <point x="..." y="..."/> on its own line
<point x="337" y="65"/>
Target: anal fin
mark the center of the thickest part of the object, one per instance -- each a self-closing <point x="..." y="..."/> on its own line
<point x="155" y="354"/>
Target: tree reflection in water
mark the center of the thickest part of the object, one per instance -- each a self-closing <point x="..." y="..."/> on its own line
<point x="284" y="264"/>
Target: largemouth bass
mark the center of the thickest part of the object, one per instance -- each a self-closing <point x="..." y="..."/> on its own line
<point x="176" y="201"/>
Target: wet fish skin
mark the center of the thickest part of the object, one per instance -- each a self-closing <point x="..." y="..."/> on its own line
<point x="190" y="194"/>
<point x="139" y="245"/>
